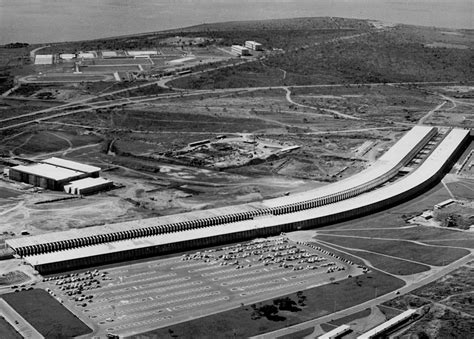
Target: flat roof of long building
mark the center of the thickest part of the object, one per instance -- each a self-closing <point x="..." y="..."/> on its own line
<point x="129" y="225"/>
<point x="72" y="165"/>
<point x="88" y="182"/>
<point x="386" y="325"/>
<point x="49" y="171"/>
<point x="427" y="170"/>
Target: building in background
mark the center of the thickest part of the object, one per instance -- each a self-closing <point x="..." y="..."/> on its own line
<point x="45" y="175"/>
<point x="253" y="45"/>
<point x="240" y="50"/>
<point x="60" y="174"/>
<point x="44" y="59"/>
<point x="92" y="171"/>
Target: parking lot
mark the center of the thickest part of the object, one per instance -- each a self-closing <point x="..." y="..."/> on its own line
<point x="133" y="298"/>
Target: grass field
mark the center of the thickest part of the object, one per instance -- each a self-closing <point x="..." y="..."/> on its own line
<point x="463" y="189"/>
<point x="466" y="243"/>
<point x="46" y="314"/>
<point x="391" y="265"/>
<point x="320" y="301"/>
<point x="438" y="256"/>
<point x="417" y="233"/>
<point x="7" y="331"/>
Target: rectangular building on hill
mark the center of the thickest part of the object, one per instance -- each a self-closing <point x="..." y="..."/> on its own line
<point x="253" y="45"/>
<point x="240" y="50"/>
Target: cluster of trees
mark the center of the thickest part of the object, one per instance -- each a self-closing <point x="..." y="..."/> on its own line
<point x="16" y="45"/>
<point x="271" y="311"/>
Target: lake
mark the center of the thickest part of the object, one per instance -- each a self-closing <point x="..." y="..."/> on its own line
<point x="38" y="21"/>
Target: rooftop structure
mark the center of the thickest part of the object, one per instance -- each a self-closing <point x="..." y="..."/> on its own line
<point x="67" y="56"/>
<point x="109" y="54"/>
<point x="44" y="175"/>
<point x="48" y="171"/>
<point x="88" y="186"/>
<point x="181" y="60"/>
<point x="137" y="53"/>
<point x="86" y="55"/>
<point x="73" y="165"/>
<point x="335" y="333"/>
<point x="44" y="59"/>
<point x="375" y="332"/>
<point x="253" y="45"/>
<point x="240" y="50"/>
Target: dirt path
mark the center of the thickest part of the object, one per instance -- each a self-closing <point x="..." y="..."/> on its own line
<point x="337" y="113"/>
<point x="430" y="113"/>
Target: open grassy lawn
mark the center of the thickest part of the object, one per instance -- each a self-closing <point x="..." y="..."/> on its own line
<point x="417" y="233"/>
<point x="466" y="243"/>
<point x="463" y="189"/>
<point x="46" y="314"/>
<point x="430" y="255"/>
<point x="320" y="301"/>
<point x="7" y="331"/>
<point x="391" y="265"/>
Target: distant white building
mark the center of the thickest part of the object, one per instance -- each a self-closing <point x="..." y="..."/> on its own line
<point x="253" y="45"/>
<point x="109" y="54"/>
<point x="86" y="55"/>
<point x="67" y="56"/>
<point x="139" y="53"/>
<point x="240" y="50"/>
<point x="44" y="59"/>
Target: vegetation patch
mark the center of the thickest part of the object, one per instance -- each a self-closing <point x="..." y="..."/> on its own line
<point x="7" y="330"/>
<point x="431" y="255"/>
<point x="46" y="314"/>
<point x="391" y="265"/>
<point x="416" y="233"/>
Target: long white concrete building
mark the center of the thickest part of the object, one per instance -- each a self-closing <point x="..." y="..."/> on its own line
<point x="347" y="199"/>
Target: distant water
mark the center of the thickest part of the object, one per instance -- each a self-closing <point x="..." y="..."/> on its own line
<point x="37" y="21"/>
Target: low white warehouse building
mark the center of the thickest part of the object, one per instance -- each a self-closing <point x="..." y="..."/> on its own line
<point x="88" y="186"/>
<point x="44" y="59"/>
<point x="253" y="45"/>
<point x="240" y="50"/>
